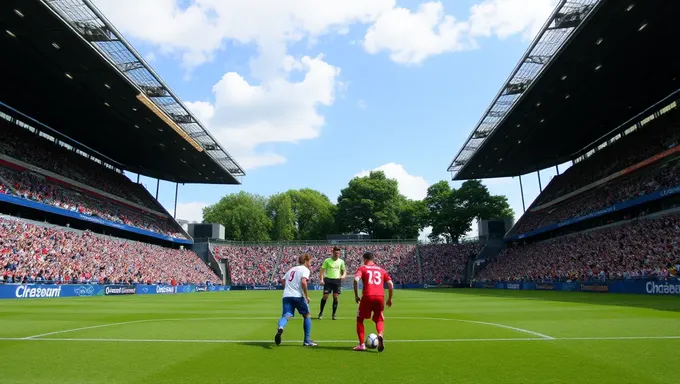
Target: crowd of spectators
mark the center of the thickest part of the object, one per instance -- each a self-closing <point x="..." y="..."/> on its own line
<point x="643" y="248"/>
<point x="249" y="265"/>
<point x="31" y="253"/>
<point x="36" y="188"/>
<point x="445" y="263"/>
<point x="262" y="265"/>
<point x="24" y="145"/>
<point x="624" y="188"/>
<point x="654" y="137"/>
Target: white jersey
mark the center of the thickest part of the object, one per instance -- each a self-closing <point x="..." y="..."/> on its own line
<point x="293" y="279"/>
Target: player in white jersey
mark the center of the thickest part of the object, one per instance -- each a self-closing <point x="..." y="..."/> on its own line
<point x="296" y="297"/>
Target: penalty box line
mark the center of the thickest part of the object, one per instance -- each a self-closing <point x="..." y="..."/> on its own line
<point x="218" y="341"/>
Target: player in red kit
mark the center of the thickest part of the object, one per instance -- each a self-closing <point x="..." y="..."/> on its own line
<point x="372" y="299"/>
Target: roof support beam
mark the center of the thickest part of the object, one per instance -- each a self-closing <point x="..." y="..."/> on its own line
<point x="154" y="91"/>
<point x="568" y="16"/>
<point x="130" y="66"/>
<point x="181" y="119"/>
<point x="538" y="59"/>
<point x="94" y="33"/>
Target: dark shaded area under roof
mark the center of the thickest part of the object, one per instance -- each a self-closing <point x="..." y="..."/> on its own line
<point x="64" y="65"/>
<point x="616" y="62"/>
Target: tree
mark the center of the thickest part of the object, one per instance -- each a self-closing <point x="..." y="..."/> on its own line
<point x="451" y="211"/>
<point x="314" y="214"/>
<point x="243" y="216"/>
<point x="446" y="214"/>
<point x="483" y="206"/>
<point x="280" y="211"/>
<point x="370" y="204"/>
<point x="412" y="218"/>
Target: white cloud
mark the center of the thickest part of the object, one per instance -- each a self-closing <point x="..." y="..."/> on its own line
<point x="411" y="37"/>
<point x="192" y="212"/>
<point x="504" y="18"/>
<point x="271" y="108"/>
<point x="243" y="116"/>
<point x="362" y="104"/>
<point x="413" y="187"/>
<point x="197" y="31"/>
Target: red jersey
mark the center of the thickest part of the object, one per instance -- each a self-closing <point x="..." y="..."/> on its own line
<point x="374" y="279"/>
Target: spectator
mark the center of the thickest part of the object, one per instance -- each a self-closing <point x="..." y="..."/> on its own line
<point x="644" y="248"/>
<point x="263" y="265"/>
<point x="34" y="254"/>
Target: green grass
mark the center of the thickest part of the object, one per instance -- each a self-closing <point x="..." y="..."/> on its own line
<point x="248" y="321"/>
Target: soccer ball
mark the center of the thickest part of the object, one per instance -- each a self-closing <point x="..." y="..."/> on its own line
<point x="372" y="341"/>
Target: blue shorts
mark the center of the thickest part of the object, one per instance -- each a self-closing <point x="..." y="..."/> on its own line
<point x="290" y="304"/>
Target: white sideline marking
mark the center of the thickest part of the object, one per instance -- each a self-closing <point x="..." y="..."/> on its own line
<point x="341" y="341"/>
<point x="86" y="328"/>
<point x="543" y="336"/>
<point x="509" y="327"/>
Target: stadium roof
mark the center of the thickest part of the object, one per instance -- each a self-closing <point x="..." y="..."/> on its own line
<point x="595" y="65"/>
<point x="66" y="66"/>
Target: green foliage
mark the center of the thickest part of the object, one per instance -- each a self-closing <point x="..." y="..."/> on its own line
<point x="371" y="204"/>
<point x="412" y="218"/>
<point x="243" y="216"/>
<point x="314" y="214"/>
<point x="451" y="211"/>
<point x="280" y="211"/>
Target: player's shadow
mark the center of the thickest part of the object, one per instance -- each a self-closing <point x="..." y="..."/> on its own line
<point x="334" y="348"/>
<point x="271" y="345"/>
<point x="263" y="344"/>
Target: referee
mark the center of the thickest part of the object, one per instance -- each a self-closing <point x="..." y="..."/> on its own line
<point x="334" y="270"/>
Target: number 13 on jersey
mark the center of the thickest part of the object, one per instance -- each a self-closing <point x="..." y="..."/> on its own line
<point x="374" y="277"/>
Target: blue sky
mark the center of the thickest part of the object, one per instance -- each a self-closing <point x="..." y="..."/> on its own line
<point x="309" y="94"/>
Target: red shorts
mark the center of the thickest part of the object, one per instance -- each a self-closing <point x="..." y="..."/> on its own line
<point x="374" y="304"/>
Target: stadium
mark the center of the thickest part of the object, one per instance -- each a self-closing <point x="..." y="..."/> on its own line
<point x="100" y="283"/>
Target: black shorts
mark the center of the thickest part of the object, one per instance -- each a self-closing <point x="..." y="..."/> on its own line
<point x="332" y="286"/>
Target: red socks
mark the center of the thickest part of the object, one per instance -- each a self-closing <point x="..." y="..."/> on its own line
<point x="360" y="330"/>
<point x="380" y="327"/>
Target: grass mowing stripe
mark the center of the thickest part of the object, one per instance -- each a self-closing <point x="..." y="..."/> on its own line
<point x="431" y="337"/>
<point x="345" y="341"/>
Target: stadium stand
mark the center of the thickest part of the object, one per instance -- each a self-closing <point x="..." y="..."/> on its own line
<point x="444" y="263"/>
<point x="21" y="144"/>
<point x="33" y="253"/>
<point x="646" y="248"/>
<point x="611" y="215"/>
<point x="657" y="136"/>
<point x="36" y="185"/>
<point x="406" y="263"/>
<point x="640" y="183"/>
<point x="79" y="109"/>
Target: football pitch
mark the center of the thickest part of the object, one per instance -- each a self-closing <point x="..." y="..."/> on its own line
<point x="449" y="336"/>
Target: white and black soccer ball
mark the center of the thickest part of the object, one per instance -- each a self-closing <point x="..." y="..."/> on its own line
<point x="372" y="341"/>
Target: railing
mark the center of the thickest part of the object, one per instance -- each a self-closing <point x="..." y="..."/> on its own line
<point x="463" y="240"/>
<point x="307" y="242"/>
